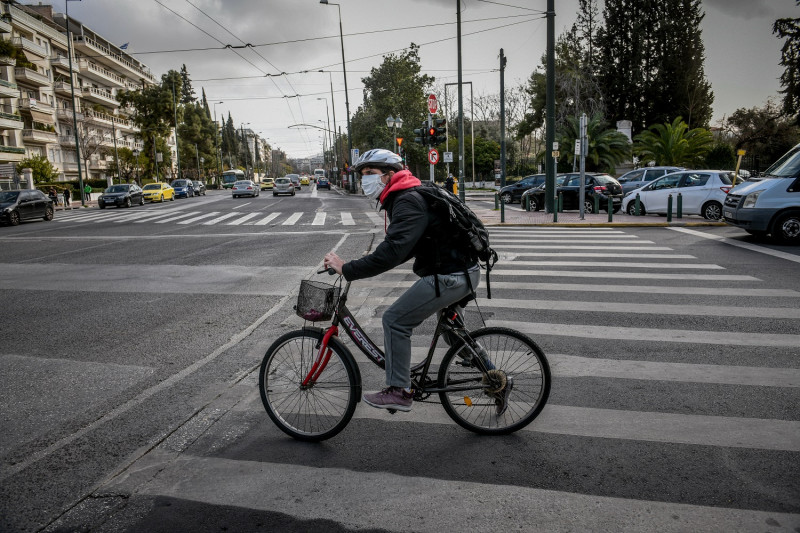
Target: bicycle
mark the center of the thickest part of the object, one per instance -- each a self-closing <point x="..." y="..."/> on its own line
<point x="491" y="381"/>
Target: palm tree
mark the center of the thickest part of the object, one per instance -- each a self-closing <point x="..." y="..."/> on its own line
<point x="607" y="147"/>
<point x="673" y="144"/>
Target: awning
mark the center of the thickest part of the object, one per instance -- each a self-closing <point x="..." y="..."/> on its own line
<point x="42" y="118"/>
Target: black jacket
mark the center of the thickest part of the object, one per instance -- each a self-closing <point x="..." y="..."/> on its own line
<point x="414" y="231"/>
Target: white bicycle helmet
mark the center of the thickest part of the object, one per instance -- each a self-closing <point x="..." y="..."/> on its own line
<point x="379" y="157"/>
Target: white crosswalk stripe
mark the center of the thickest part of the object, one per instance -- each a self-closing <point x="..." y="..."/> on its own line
<point x="292" y="220"/>
<point x="319" y="219"/>
<point x="347" y="219"/>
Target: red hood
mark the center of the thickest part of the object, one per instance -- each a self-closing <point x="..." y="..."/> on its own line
<point x="400" y="181"/>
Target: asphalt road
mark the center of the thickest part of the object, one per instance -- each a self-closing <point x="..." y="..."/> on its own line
<point x="130" y="339"/>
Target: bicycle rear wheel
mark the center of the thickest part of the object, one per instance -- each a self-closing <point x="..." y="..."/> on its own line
<point x="311" y="413"/>
<point x="510" y="397"/>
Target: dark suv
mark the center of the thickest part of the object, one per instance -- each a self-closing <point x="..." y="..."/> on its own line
<point x="600" y="186"/>
<point x="512" y="193"/>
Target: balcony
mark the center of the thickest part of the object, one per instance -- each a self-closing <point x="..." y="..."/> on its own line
<point x="65" y="115"/>
<point x="63" y="88"/>
<point x="11" y="121"/>
<point x="66" y="140"/>
<point x="11" y="150"/>
<point x="99" y="74"/>
<point x="94" y="116"/>
<point x="60" y="61"/>
<point x="23" y="74"/>
<point x="36" y="136"/>
<point x="100" y="96"/>
<point x="31" y="104"/>
<point x="91" y="47"/>
<point x="8" y="89"/>
<point x="29" y="46"/>
<point x="5" y="26"/>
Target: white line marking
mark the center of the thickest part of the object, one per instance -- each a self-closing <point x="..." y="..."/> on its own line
<point x="239" y="221"/>
<point x="319" y="218"/>
<point x="171" y="219"/>
<point x="347" y="219"/>
<point x="745" y="245"/>
<point x="269" y="218"/>
<point x="201" y="217"/>
<point x="219" y="219"/>
<point x="292" y="220"/>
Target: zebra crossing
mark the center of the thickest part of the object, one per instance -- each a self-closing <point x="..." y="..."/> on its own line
<point x="673" y="408"/>
<point x="183" y="217"/>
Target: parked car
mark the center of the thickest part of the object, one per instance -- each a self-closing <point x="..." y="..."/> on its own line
<point x="158" y="192"/>
<point x="304" y="180"/>
<point x="323" y="183"/>
<point x="513" y="192"/>
<point x="770" y="205"/>
<point x="25" y="204"/>
<point x="183" y="188"/>
<point x="283" y="186"/>
<point x="121" y="195"/>
<point x="640" y="177"/>
<point x="295" y="179"/>
<point x="600" y="186"/>
<point x="267" y="184"/>
<point x="199" y="187"/>
<point x="702" y="193"/>
<point x="245" y="188"/>
<point x="534" y="198"/>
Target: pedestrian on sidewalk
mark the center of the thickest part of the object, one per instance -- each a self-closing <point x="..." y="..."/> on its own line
<point x="67" y="194"/>
<point x="448" y="183"/>
<point x="53" y="195"/>
<point x="86" y="192"/>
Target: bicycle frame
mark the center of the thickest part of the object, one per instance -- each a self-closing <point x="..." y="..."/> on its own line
<point x="419" y="373"/>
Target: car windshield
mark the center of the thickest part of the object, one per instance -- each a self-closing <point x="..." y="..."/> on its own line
<point x="241" y="184"/>
<point x="9" y="196"/>
<point x="117" y="188"/>
<point x="179" y="183"/>
<point x="787" y="166"/>
<point x="604" y="179"/>
<point x="152" y="186"/>
<point x="282" y="181"/>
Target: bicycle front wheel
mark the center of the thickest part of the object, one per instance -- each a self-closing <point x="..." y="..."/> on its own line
<point x="316" y="411"/>
<point x="509" y="397"/>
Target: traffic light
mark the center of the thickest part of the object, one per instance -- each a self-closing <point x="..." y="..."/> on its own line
<point x="440" y="129"/>
<point x="422" y="134"/>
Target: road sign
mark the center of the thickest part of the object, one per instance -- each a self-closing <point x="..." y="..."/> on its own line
<point x="577" y="147"/>
<point x="556" y="154"/>
<point x="448" y="157"/>
<point x="433" y="157"/>
<point x="433" y="104"/>
<point x="399" y="141"/>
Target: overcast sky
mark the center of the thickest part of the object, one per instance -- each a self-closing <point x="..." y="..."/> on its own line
<point x="741" y="53"/>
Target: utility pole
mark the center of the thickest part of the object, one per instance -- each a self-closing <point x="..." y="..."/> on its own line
<point x="461" y="194"/>
<point x="502" y="131"/>
<point x="177" y="143"/>
<point x="550" y="106"/>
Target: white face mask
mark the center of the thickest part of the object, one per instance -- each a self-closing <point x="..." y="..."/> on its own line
<point x="372" y="185"/>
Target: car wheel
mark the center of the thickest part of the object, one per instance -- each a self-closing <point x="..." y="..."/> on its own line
<point x="48" y="213"/>
<point x="127" y="202"/>
<point x="292" y="193"/>
<point x="533" y="204"/>
<point x="13" y="218"/>
<point x="101" y="206"/>
<point x="632" y="208"/>
<point x="141" y="200"/>
<point x="506" y="198"/>
<point x="588" y="206"/>
<point x="786" y="227"/>
<point x="712" y="211"/>
<point x="162" y="198"/>
<point x="172" y="199"/>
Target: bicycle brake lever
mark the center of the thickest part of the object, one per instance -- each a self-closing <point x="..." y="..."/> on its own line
<point x="329" y="270"/>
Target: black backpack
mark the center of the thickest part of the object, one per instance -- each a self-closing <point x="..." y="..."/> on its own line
<point x="467" y="230"/>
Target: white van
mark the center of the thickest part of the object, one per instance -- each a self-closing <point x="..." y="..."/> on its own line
<point x="318" y="173"/>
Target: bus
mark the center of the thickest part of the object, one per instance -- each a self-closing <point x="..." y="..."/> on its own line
<point x="229" y="177"/>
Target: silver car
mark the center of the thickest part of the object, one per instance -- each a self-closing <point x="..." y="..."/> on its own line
<point x="245" y="188"/>
<point x="283" y="186"/>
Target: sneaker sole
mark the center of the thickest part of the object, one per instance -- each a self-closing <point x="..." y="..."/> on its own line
<point x="404" y="408"/>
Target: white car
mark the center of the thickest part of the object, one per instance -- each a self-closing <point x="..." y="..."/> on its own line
<point x="702" y="193"/>
<point x="245" y="188"/>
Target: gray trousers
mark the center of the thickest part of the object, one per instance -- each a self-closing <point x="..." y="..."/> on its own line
<point x="409" y="311"/>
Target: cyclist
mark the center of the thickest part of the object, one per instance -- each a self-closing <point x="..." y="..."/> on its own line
<point x="447" y="275"/>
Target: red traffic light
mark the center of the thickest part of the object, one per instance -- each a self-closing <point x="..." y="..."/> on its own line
<point x="431" y="132"/>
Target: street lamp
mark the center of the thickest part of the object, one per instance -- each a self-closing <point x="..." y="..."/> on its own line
<point x="394" y="123"/>
<point x="346" y="98"/>
<point x="136" y="153"/>
<point x="330" y="137"/>
<point x="72" y="80"/>
<point x="216" y="143"/>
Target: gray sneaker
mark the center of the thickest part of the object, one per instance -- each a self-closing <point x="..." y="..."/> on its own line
<point x="502" y="402"/>
<point x="390" y="398"/>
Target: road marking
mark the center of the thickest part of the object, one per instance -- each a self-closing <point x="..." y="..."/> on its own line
<point x="292" y="220"/>
<point x="510" y="256"/>
<point x="570" y="247"/>
<point x="621" y="264"/>
<point x="242" y="205"/>
<point x="319" y="218"/>
<point x="239" y="221"/>
<point x="561" y="238"/>
<point x="269" y="218"/>
<point x="347" y="219"/>
<point x="219" y="219"/>
<point x="726" y="338"/>
<point x="501" y="271"/>
<point x="745" y="245"/>
<point x="155" y="217"/>
<point x="376" y="219"/>
<point x="201" y="217"/>
<point x="171" y="219"/>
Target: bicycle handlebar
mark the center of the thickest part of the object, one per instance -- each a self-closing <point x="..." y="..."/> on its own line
<point x="329" y="270"/>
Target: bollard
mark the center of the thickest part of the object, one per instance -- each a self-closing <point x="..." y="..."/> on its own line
<point x="610" y="209"/>
<point x="669" y="208"/>
<point x="527" y="203"/>
<point x="637" y="211"/>
<point x="596" y="204"/>
<point x="496" y="201"/>
<point x="555" y="211"/>
<point x="680" y="206"/>
<point x="560" y="203"/>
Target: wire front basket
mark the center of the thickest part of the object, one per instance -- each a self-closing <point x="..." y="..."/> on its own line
<point x="316" y="300"/>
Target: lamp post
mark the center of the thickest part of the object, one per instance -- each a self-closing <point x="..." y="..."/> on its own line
<point x="330" y="137"/>
<point x="346" y="98"/>
<point x="246" y="149"/>
<point x="216" y="144"/>
<point x="333" y="133"/>
<point x="136" y="153"/>
<point x="394" y="123"/>
<point x="74" y="110"/>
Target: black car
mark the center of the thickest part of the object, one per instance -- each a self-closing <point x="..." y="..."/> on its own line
<point x="121" y="195"/>
<point x="533" y="199"/>
<point x="512" y="193"/>
<point x="323" y="183"/>
<point x="600" y="186"/>
<point x="199" y="187"/>
<point x="25" y="204"/>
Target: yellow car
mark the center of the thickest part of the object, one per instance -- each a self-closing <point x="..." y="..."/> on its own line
<point x="158" y="192"/>
<point x="267" y="184"/>
<point x="304" y="180"/>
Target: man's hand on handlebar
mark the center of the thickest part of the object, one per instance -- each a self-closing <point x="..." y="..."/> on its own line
<point x="333" y="261"/>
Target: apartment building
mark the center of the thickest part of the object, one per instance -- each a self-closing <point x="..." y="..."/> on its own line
<point x="36" y="93"/>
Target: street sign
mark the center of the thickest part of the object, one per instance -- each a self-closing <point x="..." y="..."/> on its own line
<point x="448" y="157"/>
<point x="433" y="104"/>
<point x="354" y="153"/>
<point x="555" y="145"/>
<point x="399" y="141"/>
<point x="577" y="147"/>
<point x="556" y="154"/>
<point x="433" y="157"/>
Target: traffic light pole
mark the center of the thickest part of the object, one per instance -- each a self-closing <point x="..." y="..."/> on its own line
<point x="430" y="124"/>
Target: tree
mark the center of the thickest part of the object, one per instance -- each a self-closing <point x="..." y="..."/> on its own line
<point x="673" y="144"/>
<point x="43" y="169"/>
<point x="721" y="157"/>
<point x="765" y="132"/>
<point x="187" y="92"/>
<point x="127" y="165"/>
<point x="789" y="29"/>
<point x="607" y="147"/>
<point x="196" y="137"/>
